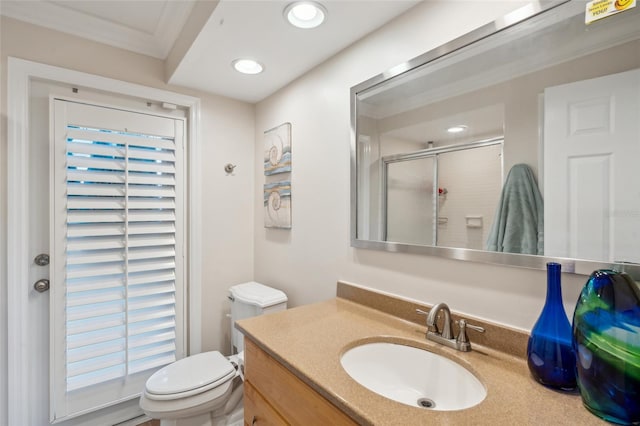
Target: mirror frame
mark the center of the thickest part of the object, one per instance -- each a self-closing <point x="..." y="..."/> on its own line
<point x="569" y="265"/>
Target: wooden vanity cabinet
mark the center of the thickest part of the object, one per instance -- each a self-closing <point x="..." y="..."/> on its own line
<point x="275" y="396"/>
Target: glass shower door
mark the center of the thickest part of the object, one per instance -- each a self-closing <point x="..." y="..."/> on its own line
<point x="410" y="203"/>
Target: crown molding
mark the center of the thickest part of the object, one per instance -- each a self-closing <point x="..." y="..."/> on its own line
<point x="54" y="16"/>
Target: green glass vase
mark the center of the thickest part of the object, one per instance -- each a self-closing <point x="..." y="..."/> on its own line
<point x="606" y="339"/>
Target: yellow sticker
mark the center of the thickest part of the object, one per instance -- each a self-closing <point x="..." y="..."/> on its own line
<point x="598" y="9"/>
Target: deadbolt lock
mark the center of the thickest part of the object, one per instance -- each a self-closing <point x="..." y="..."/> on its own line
<point x="42" y="259"/>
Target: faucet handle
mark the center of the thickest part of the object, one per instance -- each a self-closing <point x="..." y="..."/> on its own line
<point x="474" y="327"/>
<point x="463" y="339"/>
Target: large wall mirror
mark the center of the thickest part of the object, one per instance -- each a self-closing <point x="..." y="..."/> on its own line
<point x="517" y="144"/>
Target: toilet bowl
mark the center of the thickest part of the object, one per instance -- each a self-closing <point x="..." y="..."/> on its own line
<point x="206" y="389"/>
<point x="195" y="391"/>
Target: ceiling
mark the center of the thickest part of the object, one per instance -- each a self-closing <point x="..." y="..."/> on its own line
<point x="199" y="39"/>
<point x="482" y="123"/>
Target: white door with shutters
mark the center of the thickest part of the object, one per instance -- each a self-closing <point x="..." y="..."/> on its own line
<point x="117" y="253"/>
<point x="100" y="346"/>
<point x="106" y="190"/>
<point x="592" y="185"/>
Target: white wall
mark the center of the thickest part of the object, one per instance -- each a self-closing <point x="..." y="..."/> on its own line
<point x="227" y="137"/>
<point x="306" y="261"/>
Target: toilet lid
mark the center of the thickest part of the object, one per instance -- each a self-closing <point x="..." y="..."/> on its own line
<point x="191" y="373"/>
<point x="257" y="294"/>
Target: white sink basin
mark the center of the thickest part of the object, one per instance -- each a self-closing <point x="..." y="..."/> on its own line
<point x="413" y="376"/>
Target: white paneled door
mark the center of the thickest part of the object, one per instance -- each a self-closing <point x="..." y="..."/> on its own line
<point x="592" y="185"/>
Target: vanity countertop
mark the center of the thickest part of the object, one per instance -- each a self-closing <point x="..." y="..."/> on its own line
<point x="309" y="340"/>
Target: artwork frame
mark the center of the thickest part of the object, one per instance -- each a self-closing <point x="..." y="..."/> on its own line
<point x="277" y="204"/>
<point x="277" y="150"/>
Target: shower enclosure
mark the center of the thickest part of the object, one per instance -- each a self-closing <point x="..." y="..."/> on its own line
<point x="443" y="196"/>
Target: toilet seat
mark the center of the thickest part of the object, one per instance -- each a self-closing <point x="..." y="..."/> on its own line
<point x="204" y="402"/>
<point x="190" y="376"/>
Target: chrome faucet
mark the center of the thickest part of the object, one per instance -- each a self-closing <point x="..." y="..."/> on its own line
<point x="445" y="337"/>
<point x="432" y="321"/>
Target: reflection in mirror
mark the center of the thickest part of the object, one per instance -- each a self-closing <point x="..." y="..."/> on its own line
<point x="424" y="191"/>
<point x="434" y="144"/>
<point x="408" y="198"/>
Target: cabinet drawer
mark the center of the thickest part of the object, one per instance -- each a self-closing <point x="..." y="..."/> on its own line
<point x="293" y="399"/>
<point x="257" y="411"/>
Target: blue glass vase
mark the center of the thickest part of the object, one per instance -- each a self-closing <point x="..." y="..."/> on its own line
<point x="606" y="338"/>
<point x="550" y="354"/>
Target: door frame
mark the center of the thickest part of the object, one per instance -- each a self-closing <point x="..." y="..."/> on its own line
<point x="20" y="73"/>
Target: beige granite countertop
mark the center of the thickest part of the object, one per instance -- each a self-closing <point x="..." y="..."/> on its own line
<point x="309" y="341"/>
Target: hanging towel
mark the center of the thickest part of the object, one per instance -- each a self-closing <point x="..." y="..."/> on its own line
<point x="518" y="224"/>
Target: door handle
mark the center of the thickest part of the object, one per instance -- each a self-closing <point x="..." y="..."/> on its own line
<point x="41" y="285"/>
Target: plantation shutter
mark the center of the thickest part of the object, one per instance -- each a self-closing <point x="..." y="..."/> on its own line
<point x="117" y="284"/>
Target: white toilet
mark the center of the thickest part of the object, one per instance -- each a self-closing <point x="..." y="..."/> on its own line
<point x="206" y="389"/>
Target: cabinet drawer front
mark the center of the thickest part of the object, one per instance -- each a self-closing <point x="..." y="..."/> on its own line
<point x="257" y="411"/>
<point x="291" y="397"/>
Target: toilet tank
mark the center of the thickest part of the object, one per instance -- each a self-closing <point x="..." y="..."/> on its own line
<point x="249" y="300"/>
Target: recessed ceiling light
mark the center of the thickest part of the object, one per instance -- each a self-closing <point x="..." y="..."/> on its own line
<point x="247" y="66"/>
<point x="305" y="14"/>
<point x="457" y="129"/>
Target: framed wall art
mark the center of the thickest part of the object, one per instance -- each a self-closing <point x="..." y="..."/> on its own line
<point x="277" y="204"/>
<point x="277" y="188"/>
<point x="277" y="150"/>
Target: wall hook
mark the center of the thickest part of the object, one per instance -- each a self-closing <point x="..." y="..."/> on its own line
<point x="228" y="168"/>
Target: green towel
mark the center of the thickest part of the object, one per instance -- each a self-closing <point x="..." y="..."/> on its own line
<point x="518" y="225"/>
